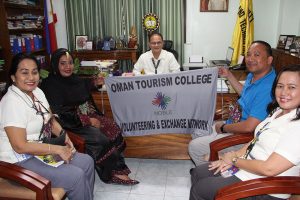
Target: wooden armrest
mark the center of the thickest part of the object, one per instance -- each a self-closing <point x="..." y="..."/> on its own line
<point x="269" y="185"/>
<point x="78" y="142"/>
<point x="226" y="142"/>
<point x="26" y="178"/>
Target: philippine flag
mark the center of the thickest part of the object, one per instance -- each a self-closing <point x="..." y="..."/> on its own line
<point x="50" y="20"/>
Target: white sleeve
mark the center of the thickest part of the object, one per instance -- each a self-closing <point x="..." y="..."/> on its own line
<point x="288" y="146"/>
<point x="13" y="113"/>
<point x="174" y="66"/>
<point x="138" y="66"/>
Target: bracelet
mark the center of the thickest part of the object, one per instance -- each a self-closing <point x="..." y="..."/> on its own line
<point x="49" y="148"/>
<point x="222" y="128"/>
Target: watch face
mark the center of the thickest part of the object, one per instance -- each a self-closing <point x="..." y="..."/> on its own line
<point x="150" y="22"/>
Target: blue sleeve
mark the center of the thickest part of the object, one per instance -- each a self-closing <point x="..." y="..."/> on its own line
<point x="259" y="104"/>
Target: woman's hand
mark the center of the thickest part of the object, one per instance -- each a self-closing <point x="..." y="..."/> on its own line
<point x="227" y="157"/>
<point x="65" y="152"/>
<point x="99" y="80"/>
<point x="95" y="122"/>
<point x="219" y="166"/>
<point x="69" y="143"/>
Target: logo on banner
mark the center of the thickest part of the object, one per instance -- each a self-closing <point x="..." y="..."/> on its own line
<point x="161" y="100"/>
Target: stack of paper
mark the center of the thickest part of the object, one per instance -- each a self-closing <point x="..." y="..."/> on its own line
<point x="98" y="63"/>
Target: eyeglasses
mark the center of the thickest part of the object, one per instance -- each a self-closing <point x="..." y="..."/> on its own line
<point x="156" y="43"/>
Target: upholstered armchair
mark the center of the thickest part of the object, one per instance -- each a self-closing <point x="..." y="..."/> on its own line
<point x="19" y="183"/>
<point x="269" y="185"/>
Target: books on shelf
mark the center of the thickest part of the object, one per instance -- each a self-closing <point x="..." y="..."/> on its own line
<point x="23" y="2"/>
<point x="51" y="160"/>
<point x="26" y="43"/>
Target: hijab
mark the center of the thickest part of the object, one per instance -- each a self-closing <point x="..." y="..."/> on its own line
<point x="64" y="91"/>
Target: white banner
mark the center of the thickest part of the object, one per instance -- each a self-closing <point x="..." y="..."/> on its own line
<point x="181" y="102"/>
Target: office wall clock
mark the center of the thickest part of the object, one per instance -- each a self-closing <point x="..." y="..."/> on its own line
<point x="150" y="22"/>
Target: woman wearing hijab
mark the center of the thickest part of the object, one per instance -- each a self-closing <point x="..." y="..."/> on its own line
<point x="70" y="98"/>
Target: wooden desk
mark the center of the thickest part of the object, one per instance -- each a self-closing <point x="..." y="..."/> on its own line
<point x="121" y="54"/>
<point x="284" y="58"/>
<point x="161" y="146"/>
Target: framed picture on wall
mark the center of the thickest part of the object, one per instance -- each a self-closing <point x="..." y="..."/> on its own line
<point x="289" y="41"/>
<point x="214" y="5"/>
<point x="80" y="42"/>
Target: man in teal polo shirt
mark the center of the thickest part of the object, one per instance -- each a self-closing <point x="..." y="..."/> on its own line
<point x="255" y="95"/>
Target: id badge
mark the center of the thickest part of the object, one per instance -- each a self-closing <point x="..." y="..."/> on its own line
<point x="230" y="172"/>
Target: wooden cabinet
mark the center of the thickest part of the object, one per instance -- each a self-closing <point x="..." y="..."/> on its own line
<point x="120" y="54"/>
<point x="24" y="21"/>
<point x="283" y="58"/>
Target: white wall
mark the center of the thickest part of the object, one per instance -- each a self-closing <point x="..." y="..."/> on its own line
<point x="60" y="26"/>
<point x="267" y="16"/>
<point x="290" y="24"/>
<point x="210" y="33"/>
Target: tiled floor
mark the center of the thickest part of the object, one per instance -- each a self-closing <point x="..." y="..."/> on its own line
<point x="159" y="180"/>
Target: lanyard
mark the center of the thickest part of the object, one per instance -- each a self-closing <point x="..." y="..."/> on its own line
<point x="155" y="65"/>
<point x="255" y="139"/>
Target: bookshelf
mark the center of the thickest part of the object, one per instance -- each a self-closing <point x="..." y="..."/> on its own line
<point x="21" y="30"/>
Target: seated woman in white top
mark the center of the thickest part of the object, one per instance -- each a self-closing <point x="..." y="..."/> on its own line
<point x="273" y="152"/>
<point x="24" y="115"/>
<point x="157" y="60"/>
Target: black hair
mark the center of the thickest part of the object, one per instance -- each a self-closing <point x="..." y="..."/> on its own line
<point x="274" y="104"/>
<point x="56" y="55"/>
<point x="267" y="46"/>
<point x="155" y="33"/>
<point x="14" y="67"/>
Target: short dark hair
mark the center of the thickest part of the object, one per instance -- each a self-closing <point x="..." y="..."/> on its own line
<point x="155" y="33"/>
<point x="14" y="67"/>
<point x="267" y="46"/>
<point x="274" y="104"/>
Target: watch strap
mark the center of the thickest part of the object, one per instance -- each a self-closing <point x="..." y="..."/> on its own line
<point x="222" y="128"/>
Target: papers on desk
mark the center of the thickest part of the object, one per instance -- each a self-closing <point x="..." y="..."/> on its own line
<point x="222" y="86"/>
<point x="98" y="63"/>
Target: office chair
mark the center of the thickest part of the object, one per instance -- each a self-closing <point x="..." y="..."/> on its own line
<point x="168" y="44"/>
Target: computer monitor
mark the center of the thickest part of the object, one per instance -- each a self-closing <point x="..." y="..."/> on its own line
<point x="229" y="54"/>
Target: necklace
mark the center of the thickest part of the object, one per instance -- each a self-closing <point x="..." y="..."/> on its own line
<point x="155" y="65"/>
<point x="31" y="101"/>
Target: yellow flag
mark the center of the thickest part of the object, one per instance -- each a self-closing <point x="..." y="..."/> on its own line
<point x="244" y="30"/>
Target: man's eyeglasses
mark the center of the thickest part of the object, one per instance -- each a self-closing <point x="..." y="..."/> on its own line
<point x="156" y="43"/>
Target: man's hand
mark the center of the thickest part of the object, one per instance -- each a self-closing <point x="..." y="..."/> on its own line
<point x="218" y="127"/>
<point x="224" y="72"/>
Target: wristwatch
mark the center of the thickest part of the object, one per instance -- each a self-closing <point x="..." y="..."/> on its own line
<point x="222" y="128"/>
<point x="234" y="159"/>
